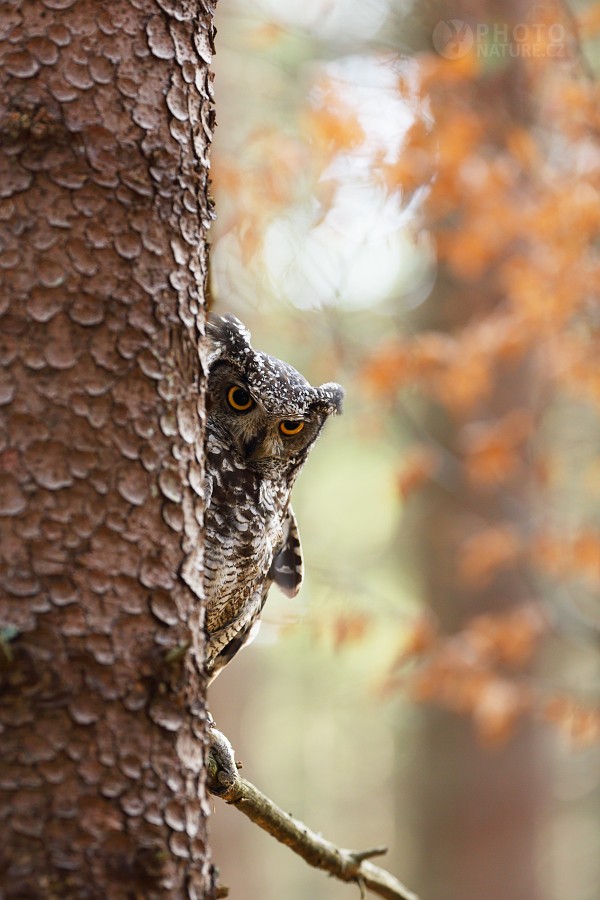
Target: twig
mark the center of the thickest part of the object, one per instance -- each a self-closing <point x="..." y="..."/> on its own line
<point x="347" y="865"/>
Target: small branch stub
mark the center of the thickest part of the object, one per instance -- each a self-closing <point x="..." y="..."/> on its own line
<point x="346" y="865"/>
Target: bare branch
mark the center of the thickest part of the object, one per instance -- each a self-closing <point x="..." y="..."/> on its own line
<point x="347" y="865"/>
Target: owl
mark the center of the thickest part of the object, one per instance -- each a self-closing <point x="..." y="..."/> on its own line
<point x="263" y="417"/>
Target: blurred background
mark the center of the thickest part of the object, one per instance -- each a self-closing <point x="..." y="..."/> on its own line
<point x="408" y="202"/>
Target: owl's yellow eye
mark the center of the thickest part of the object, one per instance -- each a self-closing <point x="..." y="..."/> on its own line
<point x="239" y="399"/>
<point x="290" y="427"/>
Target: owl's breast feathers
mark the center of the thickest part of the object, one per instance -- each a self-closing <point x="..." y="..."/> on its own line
<point x="251" y="540"/>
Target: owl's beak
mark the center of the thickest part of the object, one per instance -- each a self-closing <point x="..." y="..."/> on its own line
<point x="261" y="448"/>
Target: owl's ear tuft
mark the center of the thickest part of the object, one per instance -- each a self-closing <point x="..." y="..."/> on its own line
<point x="329" y="398"/>
<point x="228" y="337"/>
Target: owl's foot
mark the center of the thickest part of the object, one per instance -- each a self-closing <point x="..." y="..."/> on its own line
<point x="222" y="767"/>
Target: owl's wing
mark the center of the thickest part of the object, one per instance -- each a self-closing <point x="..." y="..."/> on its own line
<point x="287" y="569"/>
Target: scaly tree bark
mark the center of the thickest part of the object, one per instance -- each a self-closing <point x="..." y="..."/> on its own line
<point x="105" y="124"/>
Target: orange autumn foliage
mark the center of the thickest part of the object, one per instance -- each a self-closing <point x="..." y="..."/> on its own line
<point x="515" y="214"/>
<point x="505" y="154"/>
<point x="503" y="213"/>
<point x="495" y="704"/>
<point x="330" y="124"/>
<point x="486" y="552"/>
<point x="419" y="465"/>
<point x="579" y="723"/>
<point x="589" y="21"/>
<point x="568" y="556"/>
<point x="473" y="671"/>
<point x="349" y="628"/>
<point x="493" y="450"/>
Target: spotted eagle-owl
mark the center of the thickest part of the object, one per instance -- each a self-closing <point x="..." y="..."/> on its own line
<point x="263" y="417"/>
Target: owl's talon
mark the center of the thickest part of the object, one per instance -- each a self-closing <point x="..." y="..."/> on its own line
<point x="221" y="765"/>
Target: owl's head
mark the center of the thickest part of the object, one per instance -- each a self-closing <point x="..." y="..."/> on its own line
<point x="267" y="410"/>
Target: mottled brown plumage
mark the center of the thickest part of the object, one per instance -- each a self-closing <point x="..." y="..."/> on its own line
<point x="263" y="418"/>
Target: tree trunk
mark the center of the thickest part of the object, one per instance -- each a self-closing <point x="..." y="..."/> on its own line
<point x="477" y="810"/>
<point x="105" y="124"/>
